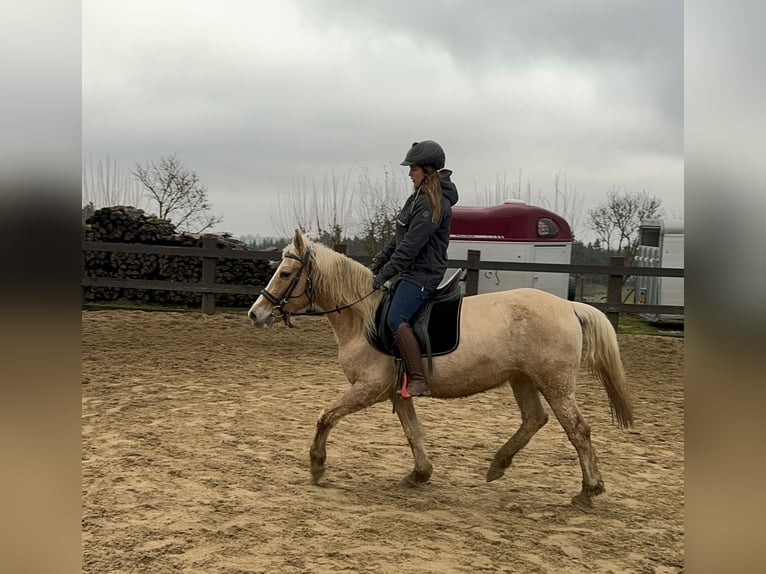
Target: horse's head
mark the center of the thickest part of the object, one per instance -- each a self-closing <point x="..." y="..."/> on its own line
<point x="289" y="290"/>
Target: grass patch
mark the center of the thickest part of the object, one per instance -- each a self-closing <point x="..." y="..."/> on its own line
<point x="635" y="325"/>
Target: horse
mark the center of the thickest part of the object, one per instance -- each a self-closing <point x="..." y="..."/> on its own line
<point x="527" y="338"/>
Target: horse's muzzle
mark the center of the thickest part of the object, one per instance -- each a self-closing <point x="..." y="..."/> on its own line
<point x="260" y="317"/>
<point x="261" y="322"/>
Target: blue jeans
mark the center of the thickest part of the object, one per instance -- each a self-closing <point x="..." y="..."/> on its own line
<point x="408" y="299"/>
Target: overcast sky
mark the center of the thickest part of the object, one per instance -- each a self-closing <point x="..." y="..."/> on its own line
<point x="254" y="95"/>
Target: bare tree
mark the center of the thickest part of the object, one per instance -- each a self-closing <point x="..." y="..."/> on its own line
<point x="379" y="202"/>
<point x="500" y="191"/>
<point x="677" y="213"/>
<point x="293" y="210"/>
<point x="334" y="206"/>
<point x="105" y="184"/>
<point x="568" y="202"/>
<point x="177" y="193"/>
<point x="617" y="222"/>
<point x="323" y="211"/>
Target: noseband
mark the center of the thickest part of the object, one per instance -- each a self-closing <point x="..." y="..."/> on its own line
<point x="279" y="302"/>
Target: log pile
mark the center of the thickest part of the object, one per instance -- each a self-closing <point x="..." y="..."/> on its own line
<point x="123" y="224"/>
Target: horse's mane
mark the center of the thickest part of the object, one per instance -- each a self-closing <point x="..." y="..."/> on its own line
<point x="345" y="281"/>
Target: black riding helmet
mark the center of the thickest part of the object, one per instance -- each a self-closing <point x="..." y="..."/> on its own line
<point x="427" y="152"/>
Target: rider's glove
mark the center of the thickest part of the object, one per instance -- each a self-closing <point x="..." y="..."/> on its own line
<point x="376" y="265"/>
<point x="378" y="282"/>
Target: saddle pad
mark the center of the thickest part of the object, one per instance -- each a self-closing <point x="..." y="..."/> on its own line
<point x="437" y="321"/>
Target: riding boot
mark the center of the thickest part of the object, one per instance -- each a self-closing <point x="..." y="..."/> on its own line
<point x="409" y="349"/>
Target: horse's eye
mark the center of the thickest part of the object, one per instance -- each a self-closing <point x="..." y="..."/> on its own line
<point x="284" y="274"/>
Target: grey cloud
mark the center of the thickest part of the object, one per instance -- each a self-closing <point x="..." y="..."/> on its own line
<point x="486" y="35"/>
<point x="252" y="120"/>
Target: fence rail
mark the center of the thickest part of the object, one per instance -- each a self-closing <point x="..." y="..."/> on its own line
<point x="616" y="272"/>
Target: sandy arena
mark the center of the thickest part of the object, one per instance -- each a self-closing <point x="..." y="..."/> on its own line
<point x="196" y="431"/>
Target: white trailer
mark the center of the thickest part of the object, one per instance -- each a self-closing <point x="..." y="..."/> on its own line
<point x="660" y="244"/>
<point x="513" y="231"/>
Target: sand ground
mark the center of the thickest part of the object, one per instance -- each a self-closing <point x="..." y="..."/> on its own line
<point x="196" y="431"/>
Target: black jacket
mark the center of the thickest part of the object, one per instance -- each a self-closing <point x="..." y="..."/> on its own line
<point x="418" y="249"/>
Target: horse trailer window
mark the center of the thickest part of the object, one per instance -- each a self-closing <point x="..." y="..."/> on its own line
<point x="547" y="227"/>
<point x="650" y="236"/>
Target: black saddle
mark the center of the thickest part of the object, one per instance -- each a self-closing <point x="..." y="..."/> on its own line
<point x="436" y="325"/>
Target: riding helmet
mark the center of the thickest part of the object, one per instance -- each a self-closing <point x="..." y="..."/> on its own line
<point x="427" y="152"/>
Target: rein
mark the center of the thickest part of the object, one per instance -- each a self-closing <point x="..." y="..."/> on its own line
<point x="337" y="309"/>
<point x="279" y="302"/>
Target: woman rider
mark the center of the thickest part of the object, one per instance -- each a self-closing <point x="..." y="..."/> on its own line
<point x="417" y="252"/>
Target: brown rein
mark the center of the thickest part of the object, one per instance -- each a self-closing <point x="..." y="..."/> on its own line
<point x="337" y="309"/>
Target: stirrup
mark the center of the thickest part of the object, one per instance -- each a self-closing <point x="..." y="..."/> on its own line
<point x="404" y="393"/>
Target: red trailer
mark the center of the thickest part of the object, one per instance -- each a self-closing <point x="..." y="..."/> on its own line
<point x="513" y="231"/>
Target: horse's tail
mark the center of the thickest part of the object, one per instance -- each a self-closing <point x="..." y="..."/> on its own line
<point x="603" y="358"/>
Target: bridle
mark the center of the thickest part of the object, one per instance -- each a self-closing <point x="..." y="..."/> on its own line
<point x="279" y="302"/>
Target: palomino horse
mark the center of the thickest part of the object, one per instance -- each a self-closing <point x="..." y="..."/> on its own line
<point x="528" y="338"/>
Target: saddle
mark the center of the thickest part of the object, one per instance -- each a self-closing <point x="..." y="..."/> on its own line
<point x="436" y="325"/>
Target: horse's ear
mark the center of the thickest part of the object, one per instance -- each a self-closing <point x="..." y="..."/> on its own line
<point x="298" y="241"/>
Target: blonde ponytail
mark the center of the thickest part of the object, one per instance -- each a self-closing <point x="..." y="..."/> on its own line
<point x="432" y="187"/>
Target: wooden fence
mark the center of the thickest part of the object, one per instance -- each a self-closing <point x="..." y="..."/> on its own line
<point x="209" y="253"/>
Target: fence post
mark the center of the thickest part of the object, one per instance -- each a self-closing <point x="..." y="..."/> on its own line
<point x="208" y="275"/>
<point x="472" y="272"/>
<point x="579" y="287"/>
<point x="614" y="290"/>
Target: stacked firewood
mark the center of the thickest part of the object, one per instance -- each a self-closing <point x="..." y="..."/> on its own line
<point x="122" y="224"/>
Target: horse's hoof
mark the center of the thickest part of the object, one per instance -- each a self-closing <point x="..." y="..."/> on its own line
<point x="583" y="501"/>
<point x="414" y="479"/>
<point x="494" y="473"/>
<point x="316" y="473"/>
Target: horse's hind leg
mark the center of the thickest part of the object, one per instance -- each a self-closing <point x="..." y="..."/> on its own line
<point x="415" y="436"/>
<point x="533" y="417"/>
<point x="578" y="431"/>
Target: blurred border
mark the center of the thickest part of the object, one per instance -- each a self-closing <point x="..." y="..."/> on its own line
<point x="40" y="487"/>
<point x="726" y="285"/>
<point x="40" y="51"/>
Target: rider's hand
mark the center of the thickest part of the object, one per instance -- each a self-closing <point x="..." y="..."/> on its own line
<point x="375" y="265"/>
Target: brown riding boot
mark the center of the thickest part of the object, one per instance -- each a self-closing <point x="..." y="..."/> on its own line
<point x="410" y="351"/>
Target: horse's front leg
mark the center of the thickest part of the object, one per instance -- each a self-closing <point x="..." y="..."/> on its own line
<point x="359" y="396"/>
<point x="413" y="430"/>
